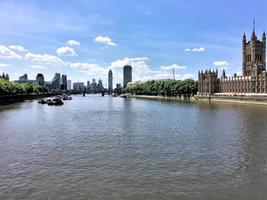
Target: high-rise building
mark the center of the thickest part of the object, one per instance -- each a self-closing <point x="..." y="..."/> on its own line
<point x="23" y="78"/>
<point x="48" y="86"/>
<point x="63" y="82"/>
<point x="127" y="75"/>
<point x="100" y="86"/>
<point x="110" y="81"/>
<point x="56" y="82"/>
<point x="78" y="87"/>
<point x="40" y="80"/>
<point x="94" y="87"/>
<point x="88" y="87"/>
<point x="69" y="85"/>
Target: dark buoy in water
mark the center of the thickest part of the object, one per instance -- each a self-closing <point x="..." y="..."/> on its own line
<point x="103" y="93"/>
<point x="84" y="93"/>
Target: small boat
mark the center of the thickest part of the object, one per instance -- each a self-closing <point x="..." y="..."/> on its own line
<point x="66" y="97"/>
<point x="55" y="102"/>
<point x="42" y="101"/>
<point x="114" y="95"/>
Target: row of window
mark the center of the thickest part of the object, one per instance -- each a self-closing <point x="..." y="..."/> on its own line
<point x="258" y="58"/>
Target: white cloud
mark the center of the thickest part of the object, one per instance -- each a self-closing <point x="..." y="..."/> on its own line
<point x="105" y="40"/>
<point x="173" y="66"/>
<point x="43" y="59"/>
<point x="138" y="63"/>
<point x="200" y="49"/>
<point x="88" y="68"/>
<point x="238" y="73"/>
<point x="222" y="64"/>
<point x="187" y="50"/>
<point x="36" y="66"/>
<point x="6" y="53"/>
<point x="185" y="76"/>
<point x="3" y="65"/>
<point x="66" y="51"/>
<point x="18" y="48"/>
<point x="73" y="42"/>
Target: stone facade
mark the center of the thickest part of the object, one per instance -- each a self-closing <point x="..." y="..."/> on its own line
<point x="254" y="76"/>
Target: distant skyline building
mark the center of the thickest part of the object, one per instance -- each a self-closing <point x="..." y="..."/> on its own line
<point x="56" y="82"/>
<point x="23" y="78"/>
<point x="118" y="85"/>
<point x="110" y="81"/>
<point x="4" y="76"/>
<point x="94" y="88"/>
<point x="63" y="84"/>
<point x="127" y="75"/>
<point x="100" y="85"/>
<point x="88" y="86"/>
<point x="68" y="84"/>
<point x="78" y="86"/>
<point x="40" y="80"/>
<point x="48" y="86"/>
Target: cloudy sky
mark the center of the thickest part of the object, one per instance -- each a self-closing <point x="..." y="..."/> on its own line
<point x="86" y="38"/>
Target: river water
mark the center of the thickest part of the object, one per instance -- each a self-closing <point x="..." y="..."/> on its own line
<point x="112" y="148"/>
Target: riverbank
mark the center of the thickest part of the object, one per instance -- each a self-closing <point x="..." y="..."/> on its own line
<point x="162" y="97"/>
<point x="251" y="100"/>
<point x="9" y="99"/>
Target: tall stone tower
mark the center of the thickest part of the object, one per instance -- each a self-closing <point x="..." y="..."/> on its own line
<point x="254" y="55"/>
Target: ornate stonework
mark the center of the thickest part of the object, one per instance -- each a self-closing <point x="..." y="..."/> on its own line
<point x="254" y="76"/>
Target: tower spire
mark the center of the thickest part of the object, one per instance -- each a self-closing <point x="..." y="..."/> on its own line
<point x="254" y="24"/>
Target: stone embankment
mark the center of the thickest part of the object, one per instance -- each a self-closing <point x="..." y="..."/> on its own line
<point x="9" y="99"/>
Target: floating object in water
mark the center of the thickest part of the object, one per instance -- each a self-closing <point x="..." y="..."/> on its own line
<point x="42" y="101"/>
<point x="55" y="102"/>
<point x="66" y="97"/>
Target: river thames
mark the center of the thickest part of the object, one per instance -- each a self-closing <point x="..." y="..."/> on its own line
<point x="97" y="147"/>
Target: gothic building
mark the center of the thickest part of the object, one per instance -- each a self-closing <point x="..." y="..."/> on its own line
<point x="254" y="76"/>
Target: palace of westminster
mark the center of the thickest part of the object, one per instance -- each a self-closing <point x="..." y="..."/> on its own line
<point x="254" y="75"/>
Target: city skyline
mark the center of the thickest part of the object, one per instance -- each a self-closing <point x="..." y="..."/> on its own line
<point x="91" y="40"/>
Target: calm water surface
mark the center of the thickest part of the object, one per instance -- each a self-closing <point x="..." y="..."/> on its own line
<point x="111" y="148"/>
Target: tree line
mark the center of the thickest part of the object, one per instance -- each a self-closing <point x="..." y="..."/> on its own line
<point x="11" y="88"/>
<point x="169" y="88"/>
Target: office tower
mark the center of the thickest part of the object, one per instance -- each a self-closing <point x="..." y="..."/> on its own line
<point x="127" y="75"/>
<point x="110" y="82"/>
<point x="56" y="82"/>
<point x="40" y="80"/>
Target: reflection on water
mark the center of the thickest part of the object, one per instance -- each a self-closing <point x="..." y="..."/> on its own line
<point x="112" y="148"/>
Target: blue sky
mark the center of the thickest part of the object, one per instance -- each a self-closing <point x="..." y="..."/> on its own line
<point x="86" y="38"/>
